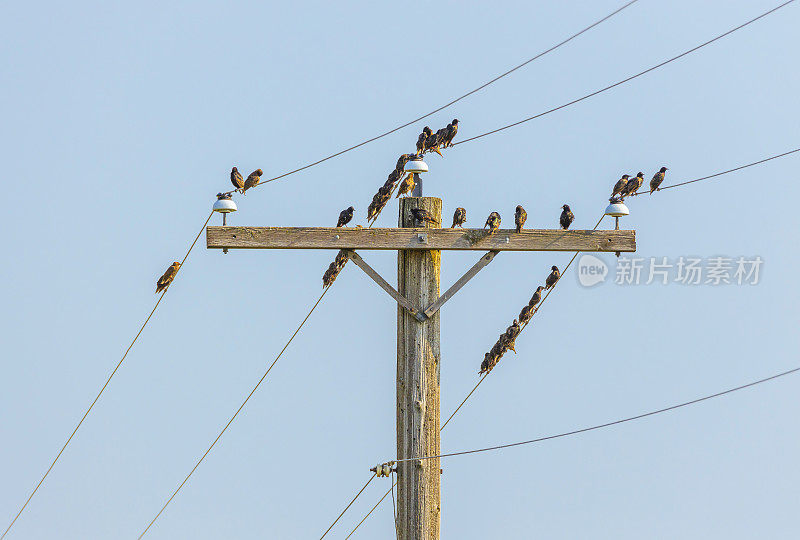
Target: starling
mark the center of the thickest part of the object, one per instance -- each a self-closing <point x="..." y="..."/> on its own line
<point x="423" y="216"/>
<point x="511" y="335"/>
<point x="406" y="186"/>
<point x="341" y="258"/>
<point x="433" y="142"/>
<point x="567" y="217"/>
<point x="392" y="179"/>
<point x="401" y="162"/>
<point x="426" y="131"/>
<point x="487" y="358"/>
<point x="520" y="216"/>
<point x="655" y="183"/>
<point x="372" y="210"/>
<point x="552" y="279"/>
<point x="169" y="275"/>
<point x="252" y="180"/>
<point x="236" y="179"/>
<point x="459" y="218"/>
<point x="537" y="295"/>
<point x="452" y="129"/>
<point x="526" y="314"/>
<point x="634" y="184"/>
<point x="619" y="187"/>
<point x="345" y="216"/>
<point x="493" y="222"/>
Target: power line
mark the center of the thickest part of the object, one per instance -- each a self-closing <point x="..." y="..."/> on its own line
<point x="608" y="424"/>
<point x="723" y="172"/>
<point x="253" y="391"/>
<point x="360" y="491"/>
<point x="623" y="81"/>
<point x="97" y="397"/>
<point x="453" y="101"/>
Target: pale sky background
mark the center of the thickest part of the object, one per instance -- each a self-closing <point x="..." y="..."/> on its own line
<point x="121" y="123"/>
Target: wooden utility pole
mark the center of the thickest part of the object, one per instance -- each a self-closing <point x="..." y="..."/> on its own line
<point x="418" y="370"/>
<point x="419" y="249"/>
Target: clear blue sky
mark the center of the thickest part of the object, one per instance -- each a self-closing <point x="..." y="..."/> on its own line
<point x="121" y="124"/>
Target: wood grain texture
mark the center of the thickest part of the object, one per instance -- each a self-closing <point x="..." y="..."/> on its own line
<point x="418" y="370"/>
<point x="377" y="278"/>
<point x="409" y="238"/>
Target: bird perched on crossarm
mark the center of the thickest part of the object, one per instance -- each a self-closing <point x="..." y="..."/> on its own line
<point x="493" y="222"/>
<point x="252" y="180"/>
<point x="459" y="218"/>
<point x="567" y="217"/>
<point x="406" y="186"/>
<point x="169" y="275"/>
<point x="552" y="279"/>
<point x="236" y="179"/>
<point x="345" y="216"/>
<point x="520" y="216"/>
<point x="655" y="183"/>
<point x="452" y="130"/>
<point x="619" y="187"/>
<point x="423" y="216"/>
<point x="426" y="132"/>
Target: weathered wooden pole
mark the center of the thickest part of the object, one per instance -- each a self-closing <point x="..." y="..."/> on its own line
<point x="418" y="369"/>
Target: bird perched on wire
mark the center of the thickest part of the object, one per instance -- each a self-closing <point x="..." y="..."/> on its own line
<point x="619" y="187"/>
<point x="511" y="335"/>
<point x="634" y="184"/>
<point x="423" y="216"/>
<point x="567" y="217"/>
<point x="334" y="268"/>
<point x="426" y="132"/>
<point x="493" y="222"/>
<point x="401" y="162"/>
<point x="520" y="216"/>
<point x="459" y="218"/>
<point x="392" y="179"/>
<point x="169" y="275"/>
<point x="252" y="180"/>
<point x="236" y="179"/>
<point x="345" y="216"/>
<point x="526" y="314"/>
<point x="655" y="183"/>
<point x="552" y="279"/>
<point x="488" y="363"/>
<point x="406" y="186"/>
<point x="433" y="142"/>
<point x="537" y="295"/>
<point x="452" y="130"/>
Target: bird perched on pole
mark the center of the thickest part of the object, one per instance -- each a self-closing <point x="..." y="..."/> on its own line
<point x="406" y="186"/>
<point x="655" y="183"/>
<point x="459" y="218"/>
<point x="537" y="295"/>
<point x="520" y="216"/>
<point x="236" y="179"/>
<point x="345" y="216"/>
<point x="567" y="217"/>
<point x="450" y="134"/>
<point x="634" y="184"/>
<point x="169" y="275"/>
<point x="619" y="187"/>
<point x="552" y="279"/>
<point x="252" y="180"/>
<point x="426" y="132"/>
<point x="423" y="216"/>
<point x="493" y="222"/>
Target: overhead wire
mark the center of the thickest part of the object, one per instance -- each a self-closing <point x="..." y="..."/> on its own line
<point x="455" y="100"/>
<point x="224" y="429"/>
<point x="608" y="424"/>
<point x="105" y="385"/>
<point x="623" y="81"/>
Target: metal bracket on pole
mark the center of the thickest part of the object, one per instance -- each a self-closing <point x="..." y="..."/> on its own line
<point x="477" y="267"/>
<point x="376" y="277"/>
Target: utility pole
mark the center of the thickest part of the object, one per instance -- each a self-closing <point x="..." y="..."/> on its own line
<point x="418" y="377"/>
<point x="419" y="248"/>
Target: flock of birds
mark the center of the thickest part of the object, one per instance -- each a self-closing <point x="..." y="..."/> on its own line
<point x="428" y="141"/>
<point x="506" y="340"/>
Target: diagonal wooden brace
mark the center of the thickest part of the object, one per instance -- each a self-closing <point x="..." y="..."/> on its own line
<point x="376" y="277"/>
<point x="477" y="267"/>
